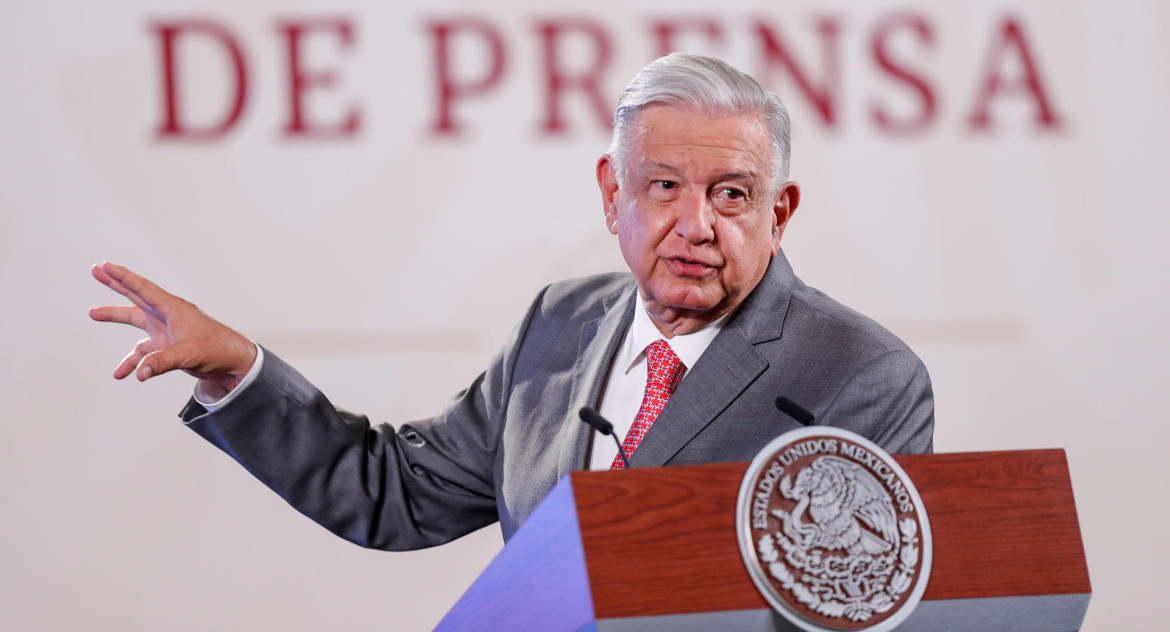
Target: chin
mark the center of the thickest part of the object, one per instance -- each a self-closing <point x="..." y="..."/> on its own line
<point x="693" y="299"/>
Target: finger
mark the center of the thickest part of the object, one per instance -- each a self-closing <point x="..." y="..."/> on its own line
<point x="119" y="314"/>
<point x="140" y="287"/>
<point x="100" y="273"/>
<point x="132" y="359"/>
<point x="157" y="363"/>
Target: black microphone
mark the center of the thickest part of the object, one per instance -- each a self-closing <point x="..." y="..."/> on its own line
<point x="794" y="410"/>
<point x="594" y="418"/>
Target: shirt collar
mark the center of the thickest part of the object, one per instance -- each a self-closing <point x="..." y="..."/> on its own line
<point x="643" y="331"/>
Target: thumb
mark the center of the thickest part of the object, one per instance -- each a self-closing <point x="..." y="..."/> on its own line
<point x="156" y="363"/>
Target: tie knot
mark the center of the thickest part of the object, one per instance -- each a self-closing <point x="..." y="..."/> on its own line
<point x="663" y="368"/>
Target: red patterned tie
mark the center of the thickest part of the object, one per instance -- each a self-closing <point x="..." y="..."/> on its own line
<point x="663" y="371"/>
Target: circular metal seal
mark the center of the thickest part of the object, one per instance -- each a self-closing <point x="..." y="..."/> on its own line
<point x="833" y="532"/>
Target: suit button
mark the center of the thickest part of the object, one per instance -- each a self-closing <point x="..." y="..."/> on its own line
<point x="414" y="438"/>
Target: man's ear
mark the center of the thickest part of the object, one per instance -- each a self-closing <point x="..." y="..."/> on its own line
<point x="607" y="181"/>
<point x="787" y="199"/>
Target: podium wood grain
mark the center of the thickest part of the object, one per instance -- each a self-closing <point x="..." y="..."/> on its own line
<point x="663" y="540"/>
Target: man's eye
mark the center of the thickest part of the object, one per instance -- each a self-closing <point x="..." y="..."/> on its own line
<point x="665" y="184"/>
<point x="733" y="194"/>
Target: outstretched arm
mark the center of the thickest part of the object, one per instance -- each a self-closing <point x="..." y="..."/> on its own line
<point x="178" y="334"/>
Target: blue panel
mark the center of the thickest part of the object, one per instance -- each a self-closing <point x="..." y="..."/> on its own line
<point x="538" y="582"/>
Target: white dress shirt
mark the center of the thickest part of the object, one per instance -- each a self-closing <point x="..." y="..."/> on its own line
<point x="624" y="388"/>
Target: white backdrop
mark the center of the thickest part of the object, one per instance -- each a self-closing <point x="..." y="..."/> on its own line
<point x="1025" y="262"/>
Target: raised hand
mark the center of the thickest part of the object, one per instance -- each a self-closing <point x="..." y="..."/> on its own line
<point x="179" y="335"/>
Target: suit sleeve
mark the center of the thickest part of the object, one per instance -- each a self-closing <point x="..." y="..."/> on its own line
<point x="425" y="484"/>
<point x="890" y="400"/>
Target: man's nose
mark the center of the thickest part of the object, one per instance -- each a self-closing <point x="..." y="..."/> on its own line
<point x="695" y="221"/>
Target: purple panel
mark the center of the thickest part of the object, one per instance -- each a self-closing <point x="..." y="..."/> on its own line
<point x="538" y="582"/>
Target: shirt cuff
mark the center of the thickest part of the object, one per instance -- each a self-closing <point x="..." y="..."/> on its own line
<point x="212" y="404"/>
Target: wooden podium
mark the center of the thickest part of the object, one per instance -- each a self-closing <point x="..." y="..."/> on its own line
<point x="656" y="549"/>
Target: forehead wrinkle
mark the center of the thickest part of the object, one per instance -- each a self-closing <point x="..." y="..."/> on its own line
<point x="735" y="160"/>
<point x="737" y="147"/>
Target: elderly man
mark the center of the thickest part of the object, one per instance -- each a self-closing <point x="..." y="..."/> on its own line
<point x="686" y="354"/>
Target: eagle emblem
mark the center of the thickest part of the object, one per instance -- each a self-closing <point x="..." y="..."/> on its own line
<point x="833" y="532"/>
<point x="840" y="497"/>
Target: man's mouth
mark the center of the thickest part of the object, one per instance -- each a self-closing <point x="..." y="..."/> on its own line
<point x="683" y="266"/>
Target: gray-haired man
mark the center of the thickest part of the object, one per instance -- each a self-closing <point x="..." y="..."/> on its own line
<point x="695" y="188"/>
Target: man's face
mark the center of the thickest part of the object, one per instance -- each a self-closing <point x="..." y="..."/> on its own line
<point x="696" y="215"/>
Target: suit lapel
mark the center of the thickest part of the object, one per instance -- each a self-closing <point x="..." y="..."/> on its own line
<point x="724" y="370"/>
<point x="728" y="366"/>
<point x="597" y="345"/>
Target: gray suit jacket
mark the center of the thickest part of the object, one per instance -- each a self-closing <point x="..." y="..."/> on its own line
<point x="503" y="443"/>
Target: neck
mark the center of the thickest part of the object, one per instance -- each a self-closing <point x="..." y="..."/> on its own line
<point x="680" y="322"/>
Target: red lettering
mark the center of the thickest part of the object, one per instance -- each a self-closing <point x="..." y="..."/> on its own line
<point x="301" y="80"/>
<point x="926" y="113"/>
<point x="173" y="124"/>
<point x="557" y="81"/>
<point x="1011" y="39"/>
<point x="666" y="30"/>
<point x="822" y="97"/>
<point x="451" y="89"/>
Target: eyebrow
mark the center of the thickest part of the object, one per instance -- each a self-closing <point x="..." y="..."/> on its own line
<point x="663" y="166"/>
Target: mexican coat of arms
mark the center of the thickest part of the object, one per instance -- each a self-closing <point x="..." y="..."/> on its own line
<point x="833" y="532"/>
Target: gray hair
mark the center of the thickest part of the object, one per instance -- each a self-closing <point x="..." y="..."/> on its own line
<point x="705" y="84"/>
